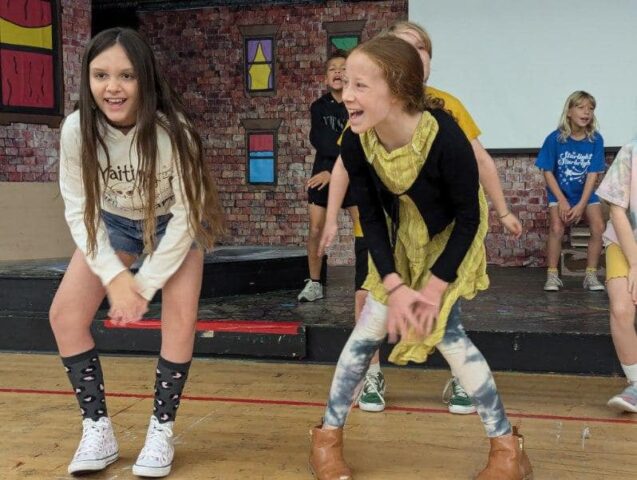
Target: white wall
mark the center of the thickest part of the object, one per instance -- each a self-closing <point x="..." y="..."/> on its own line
<point x="513" y="63"/>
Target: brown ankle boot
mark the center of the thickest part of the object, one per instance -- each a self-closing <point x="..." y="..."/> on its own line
<point x="507" y="459"/>
<point x="326" y="455"/>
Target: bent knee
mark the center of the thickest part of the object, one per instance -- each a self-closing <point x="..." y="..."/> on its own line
<point x="597" y="229"/>
<point x="557" y="229"/>
<point x="622" y="314"/>
<point x="315" y="232"/>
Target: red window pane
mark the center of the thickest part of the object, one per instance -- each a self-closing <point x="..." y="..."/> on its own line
<point x="262" y="142"/>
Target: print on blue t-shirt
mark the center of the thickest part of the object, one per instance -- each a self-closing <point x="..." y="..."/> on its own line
<point x="570" y="162"/>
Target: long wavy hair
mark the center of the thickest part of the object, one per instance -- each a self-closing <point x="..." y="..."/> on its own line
<point x="158" y="105"/>
<point x="575" y="99"/>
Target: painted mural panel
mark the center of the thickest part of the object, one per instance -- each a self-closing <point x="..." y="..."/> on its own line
<point x="28" y="56"/>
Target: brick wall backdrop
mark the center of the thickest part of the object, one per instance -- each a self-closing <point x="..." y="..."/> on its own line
<point x="201" y="51"/>
<point x="525" y="191"/>
<point x="29" y="153"/>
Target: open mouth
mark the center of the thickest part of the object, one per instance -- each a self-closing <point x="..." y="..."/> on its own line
<point x="114" y="102"/>
<point x="355" y="114"/>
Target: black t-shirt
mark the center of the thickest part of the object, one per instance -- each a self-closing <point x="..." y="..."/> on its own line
<point x="328" y="120"/>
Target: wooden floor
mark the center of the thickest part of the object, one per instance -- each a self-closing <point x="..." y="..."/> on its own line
<point x="250" y="420"/>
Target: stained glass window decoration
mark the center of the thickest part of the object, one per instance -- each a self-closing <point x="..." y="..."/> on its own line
<point x="30" y="70"/>
<point x="344" y="42"/>
<point x="261" y="158"/>
<point x="259" y="64"/>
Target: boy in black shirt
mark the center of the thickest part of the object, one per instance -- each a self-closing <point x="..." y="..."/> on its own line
<point x="329" y="117"/>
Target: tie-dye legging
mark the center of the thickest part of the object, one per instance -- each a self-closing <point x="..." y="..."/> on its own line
<point x="465" y="360"/>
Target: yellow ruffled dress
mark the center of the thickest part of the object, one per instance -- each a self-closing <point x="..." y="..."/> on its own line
<point x="415" y="253"/>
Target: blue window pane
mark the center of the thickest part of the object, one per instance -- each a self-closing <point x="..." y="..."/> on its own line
<point x="261" y="170"/>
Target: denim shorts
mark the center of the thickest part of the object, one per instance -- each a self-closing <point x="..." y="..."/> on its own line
<point x="126" y="235"/>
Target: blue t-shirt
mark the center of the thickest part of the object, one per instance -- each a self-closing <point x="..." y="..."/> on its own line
<point x="570" y="162"/>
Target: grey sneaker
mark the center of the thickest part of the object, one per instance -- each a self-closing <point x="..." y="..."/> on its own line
<point x="311" y="292"/>
<point x="97" y="449"/>
<point x="592" y="283"/>
<point x="625" y="401"/>
<point x="553" y="282"/>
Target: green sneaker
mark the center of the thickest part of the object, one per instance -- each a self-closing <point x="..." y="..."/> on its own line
<point x="372" y="397"/>
<point x="457" y="399"/>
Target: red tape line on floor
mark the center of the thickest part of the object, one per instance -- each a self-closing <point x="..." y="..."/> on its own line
<point x="293" y="403"/>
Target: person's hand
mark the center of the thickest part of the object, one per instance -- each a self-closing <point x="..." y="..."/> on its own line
<point x="127" y="305"/>
<point x="563" y="209"/>
<point x="428" y="310"/>
<point x="330" y="229"/>
<point x="632" y="283"/>
<point x="575" y="214"/>
<point x="319" y="180"/>
<point x="512" y="224"/>
<point x="400" y="312"/>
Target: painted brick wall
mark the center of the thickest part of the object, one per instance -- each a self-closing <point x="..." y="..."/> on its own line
<point x="201" y="52"/>
<point x="28" y="152"/>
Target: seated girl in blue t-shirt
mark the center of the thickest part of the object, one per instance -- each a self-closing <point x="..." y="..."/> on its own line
<point x="570" y="159"/>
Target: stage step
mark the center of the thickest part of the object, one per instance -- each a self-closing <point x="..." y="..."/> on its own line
<point x="30" y="332"/>
<point x="229" y="270"/>
<point x="250" y="338"/>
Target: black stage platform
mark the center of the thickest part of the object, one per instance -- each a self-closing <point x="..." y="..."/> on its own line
<point x="515" y="323"/>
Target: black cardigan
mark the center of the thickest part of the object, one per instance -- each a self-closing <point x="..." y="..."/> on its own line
<point x="445" y="189"/>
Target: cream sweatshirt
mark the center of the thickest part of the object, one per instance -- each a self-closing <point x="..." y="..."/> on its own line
<point x="121" y="196"/>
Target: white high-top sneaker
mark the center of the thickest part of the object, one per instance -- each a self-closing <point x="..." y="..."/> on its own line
<point x="592" y="283"/>
<point x="156" y="458"/>
<point x="97" y="448"/>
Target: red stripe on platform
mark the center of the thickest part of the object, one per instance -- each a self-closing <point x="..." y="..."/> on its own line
<point x="293" y="403"/>
<point x="235" y="326"/>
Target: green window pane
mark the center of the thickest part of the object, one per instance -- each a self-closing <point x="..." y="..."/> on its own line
<point x="345" y="43"/>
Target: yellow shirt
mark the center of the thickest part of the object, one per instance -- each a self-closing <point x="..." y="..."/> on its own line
<point x="460" y="114"/>
<point x="457" y="110"/>
<point x="414" y="251"/>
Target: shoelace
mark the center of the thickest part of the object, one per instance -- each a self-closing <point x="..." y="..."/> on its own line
<point x="372" y="385"/>
<point x="453" y="388"/>
<point x="156" y="445"/>
<point x="556" y="279"/>
<point x="591" y="279"/>
<point x="92" y="436"/>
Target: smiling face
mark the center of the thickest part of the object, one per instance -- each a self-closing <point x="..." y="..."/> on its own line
<point x="412" y="37"/>
<point x="335" y="73"/>
<point x="114" y="86"/>
<point x="581" y="114"/>
<point x="366" y="93"/>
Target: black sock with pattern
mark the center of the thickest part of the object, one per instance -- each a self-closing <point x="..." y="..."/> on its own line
<point x="171" y="378"/>
<point x="85" y="373"/>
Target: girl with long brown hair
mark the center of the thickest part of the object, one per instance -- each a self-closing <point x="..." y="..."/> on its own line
<point x="133" y="180"/>
<point x="415" y="180"/>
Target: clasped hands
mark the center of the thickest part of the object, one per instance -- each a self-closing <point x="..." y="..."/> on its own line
<point x="570" y="215"/>
<point x="126" y="303"/>
<point x="414" y="309"/>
